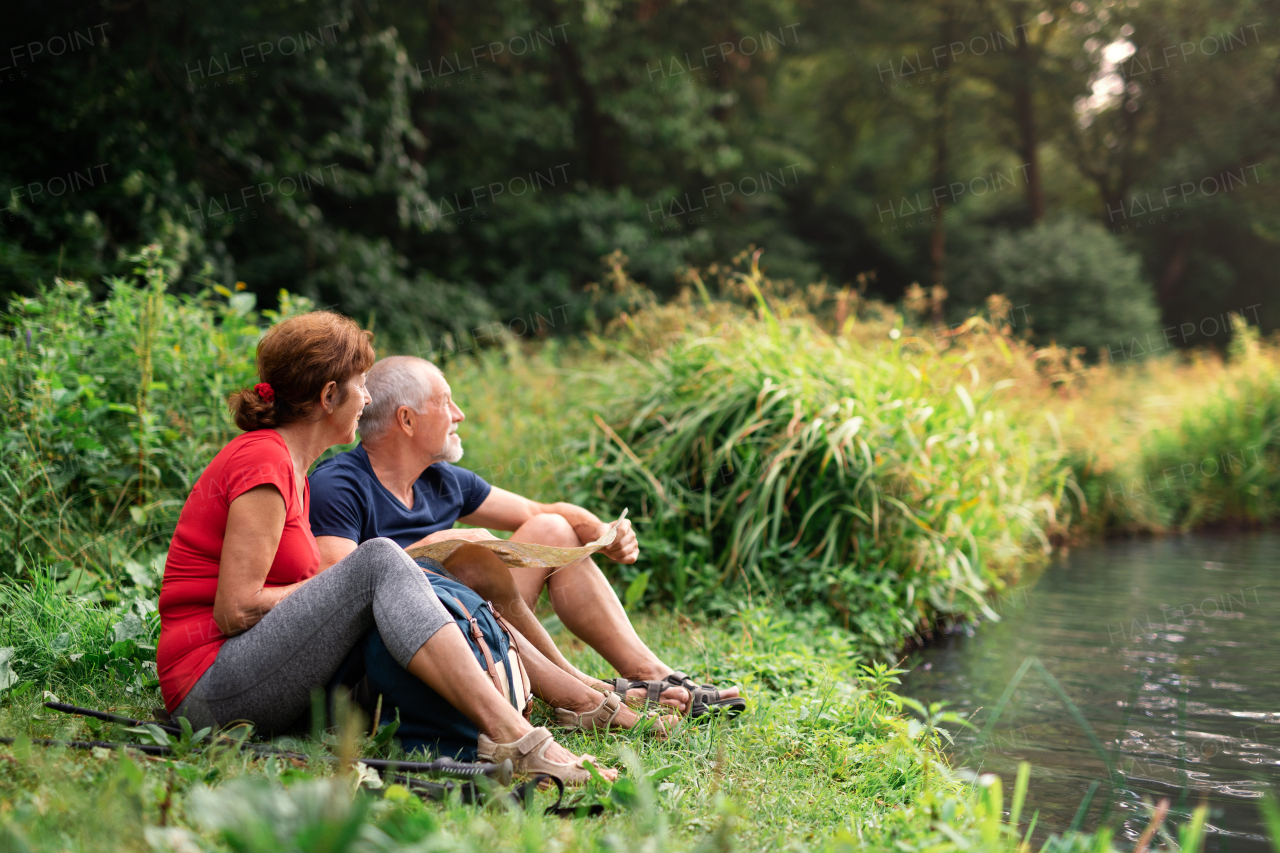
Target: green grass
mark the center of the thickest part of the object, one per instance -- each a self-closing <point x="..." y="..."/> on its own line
<point x="825" y="759"/>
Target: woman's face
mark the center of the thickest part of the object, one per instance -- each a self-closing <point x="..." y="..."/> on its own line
<point x="346" y="415"/>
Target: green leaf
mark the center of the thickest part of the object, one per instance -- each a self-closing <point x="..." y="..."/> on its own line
<point x="138" y="514"/>
<point x="151" y="733"/>
<point x="624" y="792"/>
<point x="8" y="677"/>
<point x="664" y="773"/>
<point x="131" y="627"/>
<point x="635" y="590"/>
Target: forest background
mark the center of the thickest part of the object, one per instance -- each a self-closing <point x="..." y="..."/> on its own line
<point x="441" y="169"/>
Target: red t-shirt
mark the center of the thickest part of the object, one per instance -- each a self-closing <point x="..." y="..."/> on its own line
<point x="189" y="638"/>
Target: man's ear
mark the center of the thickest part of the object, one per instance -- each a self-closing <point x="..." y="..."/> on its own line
<point x="405" y="422"/>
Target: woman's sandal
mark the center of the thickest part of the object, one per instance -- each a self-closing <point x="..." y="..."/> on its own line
<point x="602" y="718"/>
<point x="529" y="757"/>
<point x="705" y="698"/>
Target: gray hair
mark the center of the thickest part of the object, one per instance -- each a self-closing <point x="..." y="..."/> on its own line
<point x="400" y="380"/>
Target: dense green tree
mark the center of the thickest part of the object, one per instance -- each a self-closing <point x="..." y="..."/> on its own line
<point x="438" y="168"/>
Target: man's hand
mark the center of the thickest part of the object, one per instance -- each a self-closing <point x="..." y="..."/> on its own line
<point x="470" y="534"/>
<point x="625" y="548"/>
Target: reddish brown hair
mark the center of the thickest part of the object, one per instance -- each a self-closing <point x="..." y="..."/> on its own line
<point x="297" y="358"/>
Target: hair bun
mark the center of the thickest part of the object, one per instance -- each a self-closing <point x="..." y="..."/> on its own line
<point x="251" y="411"/>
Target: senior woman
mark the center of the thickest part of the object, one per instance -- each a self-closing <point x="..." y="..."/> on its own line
<point x="250" y="625"/>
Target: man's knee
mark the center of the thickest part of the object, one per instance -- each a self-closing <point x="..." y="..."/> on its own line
<point x="550" y="529"/>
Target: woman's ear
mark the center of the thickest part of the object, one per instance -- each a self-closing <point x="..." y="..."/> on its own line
<point x="329" y="396"/>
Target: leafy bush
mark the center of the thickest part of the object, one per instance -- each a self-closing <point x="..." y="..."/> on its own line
<point x="883" y="480"/>
<point x="111" y="411"/>
<point x="1171" y="445"/>
<point x="1080" y="285"/>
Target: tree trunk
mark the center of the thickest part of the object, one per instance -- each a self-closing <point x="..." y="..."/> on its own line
<point x="941" y="152"/>
<point x="1024" y="113"/>
<point x="1171" y="276"/>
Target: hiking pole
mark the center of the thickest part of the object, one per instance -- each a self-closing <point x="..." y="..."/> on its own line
<point x="500" y="773"/>
<point x="110" y="718"/>
<point x="149" y="749"/>
<point x="430" y="790"/>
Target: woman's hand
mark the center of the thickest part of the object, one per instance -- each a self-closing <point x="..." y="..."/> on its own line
<point x="255" y="522"/>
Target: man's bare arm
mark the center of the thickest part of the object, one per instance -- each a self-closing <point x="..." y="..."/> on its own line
<point x="335" y="548"/>
<point x="504" y="510"/>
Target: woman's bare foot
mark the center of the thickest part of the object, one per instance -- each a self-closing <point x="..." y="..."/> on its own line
<point x="629" y="719"/>
<point x="556" y="752"/>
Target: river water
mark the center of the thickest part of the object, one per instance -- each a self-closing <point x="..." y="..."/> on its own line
<point x="1168" y="650"/>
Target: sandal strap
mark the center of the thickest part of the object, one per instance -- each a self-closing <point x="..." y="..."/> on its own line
<point x="601" y="717"/>
<point x="527" y="745"/>
<point x="621" y="686"/>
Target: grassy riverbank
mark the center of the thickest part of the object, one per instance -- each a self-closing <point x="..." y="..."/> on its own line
<point x="813" y="479"/>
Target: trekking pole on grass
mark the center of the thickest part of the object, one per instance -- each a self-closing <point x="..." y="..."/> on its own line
<point x="500" y="773"/>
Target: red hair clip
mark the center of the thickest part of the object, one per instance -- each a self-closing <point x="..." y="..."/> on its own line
<point x="265" y="391"/>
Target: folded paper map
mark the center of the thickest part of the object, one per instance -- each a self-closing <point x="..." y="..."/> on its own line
<point x="522" y="554"/>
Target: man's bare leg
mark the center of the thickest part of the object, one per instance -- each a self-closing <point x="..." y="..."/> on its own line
<point x="483" y="571"/>
<point x="559" y="689"/>
<point x="587" y="605"/>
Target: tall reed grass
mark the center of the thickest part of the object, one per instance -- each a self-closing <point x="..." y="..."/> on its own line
<point x="870" y="472"/>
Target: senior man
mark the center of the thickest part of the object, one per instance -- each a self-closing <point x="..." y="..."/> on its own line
<point x="401" y="483"/>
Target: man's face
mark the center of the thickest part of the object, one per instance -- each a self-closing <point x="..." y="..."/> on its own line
<point x="439" y="421"/>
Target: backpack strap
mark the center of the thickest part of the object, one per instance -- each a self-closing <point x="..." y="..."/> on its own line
<point x="478" y="636"/>
<point x="519" y="658"/>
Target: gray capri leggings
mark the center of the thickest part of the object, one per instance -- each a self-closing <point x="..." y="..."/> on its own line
<point x="266" y="674"/>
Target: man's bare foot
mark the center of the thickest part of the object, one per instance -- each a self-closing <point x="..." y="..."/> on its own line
<point x="725" y="692"/>
<point x="672" y="697"/>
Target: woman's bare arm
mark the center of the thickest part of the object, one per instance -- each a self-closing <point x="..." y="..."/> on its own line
<point x="255" y="523"/>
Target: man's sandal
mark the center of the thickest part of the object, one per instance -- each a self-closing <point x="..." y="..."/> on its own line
<point x="705" y="698"/>
<point x="653" y="690"/>
<point x="602" y="718"/>
<point x="529" y="757"/>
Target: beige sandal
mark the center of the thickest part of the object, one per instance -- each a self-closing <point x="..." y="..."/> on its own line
<point x="528" y="757"/>
<point x="602" y="718"/>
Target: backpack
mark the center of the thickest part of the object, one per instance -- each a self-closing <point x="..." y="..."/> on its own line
<point x="427" y="721"/>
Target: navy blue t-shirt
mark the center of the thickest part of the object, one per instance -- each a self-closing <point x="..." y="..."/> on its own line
<point x="348" y="501"/>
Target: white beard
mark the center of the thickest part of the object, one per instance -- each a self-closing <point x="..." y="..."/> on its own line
<point x="452" y="449"/>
